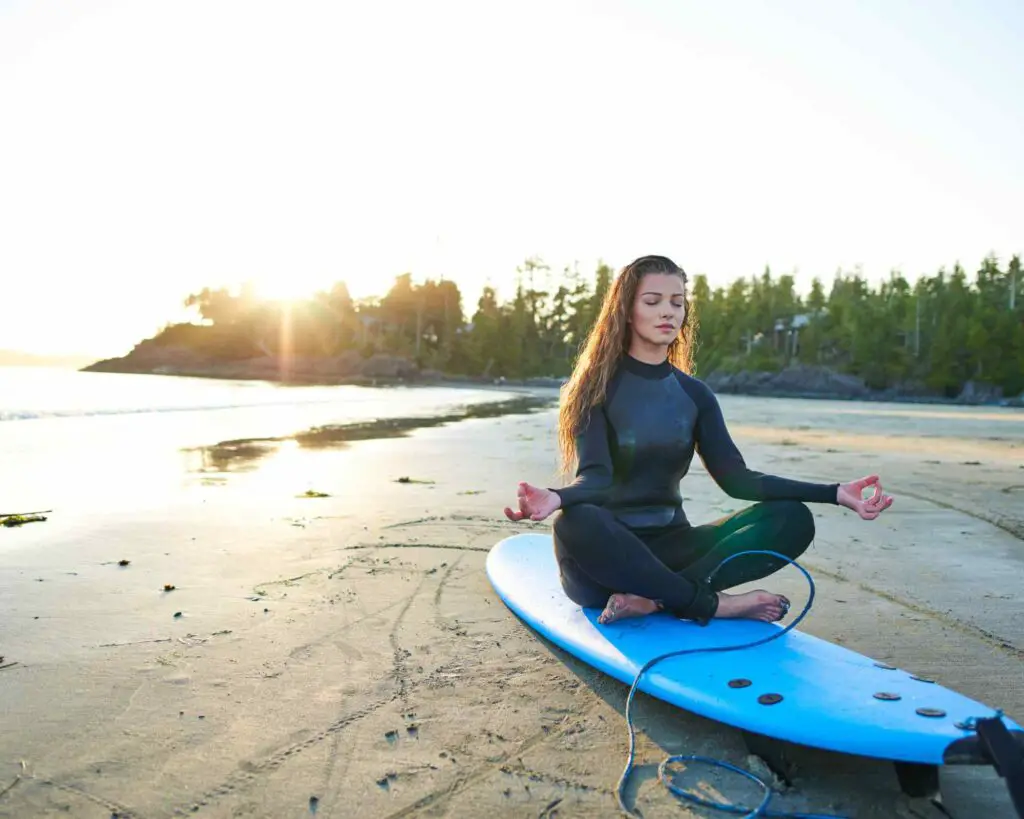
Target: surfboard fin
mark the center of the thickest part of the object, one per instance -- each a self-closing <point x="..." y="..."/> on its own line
<point x="772" y="752"/>
<point x="918" y="780"/>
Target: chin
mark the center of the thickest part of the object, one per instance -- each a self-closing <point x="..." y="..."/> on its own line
<point x="660" y="340"/>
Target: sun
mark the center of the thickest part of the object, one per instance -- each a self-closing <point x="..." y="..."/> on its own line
<point x="287" y="287"/>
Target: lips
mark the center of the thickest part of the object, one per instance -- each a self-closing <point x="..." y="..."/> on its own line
<point x="665" y="327"/>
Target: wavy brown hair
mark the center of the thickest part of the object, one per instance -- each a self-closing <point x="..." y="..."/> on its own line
<point x="607" y="342"/>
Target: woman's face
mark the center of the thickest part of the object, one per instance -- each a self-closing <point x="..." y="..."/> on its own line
<point x="659" y="308"/>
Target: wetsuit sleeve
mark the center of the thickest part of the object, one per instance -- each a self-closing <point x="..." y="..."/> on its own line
<point x="594" y="469"/>
<point x="726" y="466"/>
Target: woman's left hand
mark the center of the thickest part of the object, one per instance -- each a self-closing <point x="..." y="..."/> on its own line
<point x="851" y="495"/>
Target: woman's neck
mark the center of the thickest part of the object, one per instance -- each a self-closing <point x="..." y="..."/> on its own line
<point x="655" y="370"/>
<point x="648" y="353"/>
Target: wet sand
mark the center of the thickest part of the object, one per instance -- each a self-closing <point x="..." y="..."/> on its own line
<point x="346" y="656"/>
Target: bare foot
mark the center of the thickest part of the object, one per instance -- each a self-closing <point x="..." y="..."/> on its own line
<point x="755" y="605"/>
<point x="621" y="606"/>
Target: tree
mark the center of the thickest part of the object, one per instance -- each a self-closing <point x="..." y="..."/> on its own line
<point x="941" y="331"/>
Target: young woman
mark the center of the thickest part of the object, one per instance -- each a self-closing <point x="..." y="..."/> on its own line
<point x="631" y="418"/>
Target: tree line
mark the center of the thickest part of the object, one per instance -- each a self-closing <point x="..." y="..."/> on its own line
<point x="938" y="332"/>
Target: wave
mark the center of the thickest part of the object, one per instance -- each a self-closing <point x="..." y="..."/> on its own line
<point x="85" y="412"/>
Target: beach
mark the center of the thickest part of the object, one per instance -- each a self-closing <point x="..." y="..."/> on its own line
<point x="331" y="645"/>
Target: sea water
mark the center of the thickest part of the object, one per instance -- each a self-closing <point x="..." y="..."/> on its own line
<point x="102" y="440"/>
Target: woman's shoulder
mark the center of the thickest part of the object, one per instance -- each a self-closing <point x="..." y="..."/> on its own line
<point x="697" y="389"/>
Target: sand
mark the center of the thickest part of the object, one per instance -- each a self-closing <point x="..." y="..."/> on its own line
<point x="346" y="656"/>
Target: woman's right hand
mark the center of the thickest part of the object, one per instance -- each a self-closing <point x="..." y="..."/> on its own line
<point x="534" y="503"/>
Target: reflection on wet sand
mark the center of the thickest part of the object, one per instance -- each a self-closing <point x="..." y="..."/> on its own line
<point x="245" y="455"/>
<point x="231" y="456"/>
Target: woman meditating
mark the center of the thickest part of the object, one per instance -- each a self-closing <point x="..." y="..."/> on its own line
<point x="631" y="419"/>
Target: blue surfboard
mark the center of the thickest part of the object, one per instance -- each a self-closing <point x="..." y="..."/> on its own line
<point x="797" y="688"/>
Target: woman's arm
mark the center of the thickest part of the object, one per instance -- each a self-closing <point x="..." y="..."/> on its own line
<point x="594" y="470"/>
<point x="725" y="464"/>
<point x="593" y="476"/>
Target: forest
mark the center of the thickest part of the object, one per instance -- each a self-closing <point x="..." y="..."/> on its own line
<point x="937" y="332"/>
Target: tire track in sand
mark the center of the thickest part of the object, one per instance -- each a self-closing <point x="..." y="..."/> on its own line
<point x="117" y="810"/>
<point x="250" y="773"/>
<point x="439" y="795"/>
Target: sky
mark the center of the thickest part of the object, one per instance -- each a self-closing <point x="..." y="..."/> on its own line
<point x="151" y="148"/>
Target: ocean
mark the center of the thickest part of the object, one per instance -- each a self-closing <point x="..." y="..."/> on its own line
<point x="87" y="441"/>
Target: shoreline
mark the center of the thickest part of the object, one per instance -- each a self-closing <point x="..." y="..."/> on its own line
<point x="1007" y="403"/>
<point x="720" y="384"/>
<point x="386" y="371"/>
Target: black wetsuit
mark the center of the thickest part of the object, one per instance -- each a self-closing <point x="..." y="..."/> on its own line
<point x="622" y="528"/>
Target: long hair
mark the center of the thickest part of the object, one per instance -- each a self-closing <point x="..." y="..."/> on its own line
<point x="607" y="342"/>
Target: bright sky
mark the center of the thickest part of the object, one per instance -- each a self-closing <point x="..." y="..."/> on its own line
<point x="150" y="147"/>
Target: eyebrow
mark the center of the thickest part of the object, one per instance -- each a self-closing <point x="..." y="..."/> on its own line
<point x="659" y="293"/>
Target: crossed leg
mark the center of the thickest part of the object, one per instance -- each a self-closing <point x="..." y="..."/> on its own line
<point x="603" y="563"/>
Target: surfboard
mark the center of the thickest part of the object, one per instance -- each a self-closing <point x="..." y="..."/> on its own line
<point x="798" y="688"/>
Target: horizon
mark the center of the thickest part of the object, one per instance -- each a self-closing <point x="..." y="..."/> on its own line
<point x="290" y="146"/>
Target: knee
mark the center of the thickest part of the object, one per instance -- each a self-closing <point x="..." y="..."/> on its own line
<point x="800" y="521"/>
<point x="573" y="522"/>
<point x="796" y="520"/>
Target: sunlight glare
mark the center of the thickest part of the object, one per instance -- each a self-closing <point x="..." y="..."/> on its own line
<point x="291" y="287"/>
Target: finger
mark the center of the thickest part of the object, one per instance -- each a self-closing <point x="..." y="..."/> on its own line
<point x="882" y="505"/>
<point x="869" y="480"/>
<point x="880" y="502"/>
<point x="513" y="515"/>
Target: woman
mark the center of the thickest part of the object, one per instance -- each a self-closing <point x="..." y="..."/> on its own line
<point x="631" y="418"/>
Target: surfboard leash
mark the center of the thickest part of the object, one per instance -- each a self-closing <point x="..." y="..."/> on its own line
<point x="762" y="810"/>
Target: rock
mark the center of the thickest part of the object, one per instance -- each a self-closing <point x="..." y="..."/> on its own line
<point x="975" y="392"/>
<point x="796" y="380"/>
<point x="382" y="365"/>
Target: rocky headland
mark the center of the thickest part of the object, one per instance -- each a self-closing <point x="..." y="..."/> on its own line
<point x="353" y="367"/>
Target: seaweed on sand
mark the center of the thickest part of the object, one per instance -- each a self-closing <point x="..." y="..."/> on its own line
<point x="11" y="519"/>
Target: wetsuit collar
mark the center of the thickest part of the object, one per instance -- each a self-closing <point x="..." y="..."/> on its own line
<point x="644" y="370"/>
